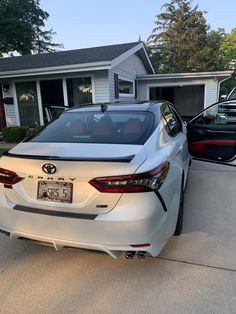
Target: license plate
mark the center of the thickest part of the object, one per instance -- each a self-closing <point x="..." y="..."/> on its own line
<point x="55" y="191"/>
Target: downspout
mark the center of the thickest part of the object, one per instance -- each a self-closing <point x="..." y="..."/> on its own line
<point x="219" y="85"/>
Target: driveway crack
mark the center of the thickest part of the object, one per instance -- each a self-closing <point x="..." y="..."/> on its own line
<point x="196" y="264"/>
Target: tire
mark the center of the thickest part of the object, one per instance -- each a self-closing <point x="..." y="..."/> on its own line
<point x="179" y="224"/>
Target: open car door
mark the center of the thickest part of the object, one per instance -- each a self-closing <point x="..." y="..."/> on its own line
<point x="212" y="134"/>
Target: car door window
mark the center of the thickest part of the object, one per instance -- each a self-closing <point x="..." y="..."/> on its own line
<point x="212" y="134"/>
<point x="172" y="125"/>
<point x="219" y="114"/>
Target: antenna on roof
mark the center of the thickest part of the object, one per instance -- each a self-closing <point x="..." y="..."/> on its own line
<point x="103" y="108"/>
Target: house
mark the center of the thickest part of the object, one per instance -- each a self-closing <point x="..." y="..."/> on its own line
<point x="112" y="73"/>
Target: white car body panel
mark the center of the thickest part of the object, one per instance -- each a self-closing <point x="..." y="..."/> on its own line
<point x="112" y="222"/>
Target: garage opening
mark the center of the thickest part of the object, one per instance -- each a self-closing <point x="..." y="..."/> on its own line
<point x="51" y="94"/>
<point x="189" y="100"/>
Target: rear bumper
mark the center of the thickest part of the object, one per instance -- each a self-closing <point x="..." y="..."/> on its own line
<point x="112" y="232"/>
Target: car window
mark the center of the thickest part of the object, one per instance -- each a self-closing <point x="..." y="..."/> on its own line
<point x="232" y="95"/>
<point x="177" y="117"/>
<point x="218" y="114"/>
<point x="98" y="127"/>
<point x="172" y="125"/>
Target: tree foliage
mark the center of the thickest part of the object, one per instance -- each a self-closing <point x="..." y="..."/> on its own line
<point x="21" y="28"/>
<point x="228" y="49"/>
<point x="179" y="39"/>
<point x="183" y="42"/>
<point x="214" y="55"/>
<point x="228" y="52"/>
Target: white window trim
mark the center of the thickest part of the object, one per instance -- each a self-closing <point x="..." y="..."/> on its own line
<point x="38" y="80"/>
<point x="91" y="76"/>
<point x="120" y="77"/>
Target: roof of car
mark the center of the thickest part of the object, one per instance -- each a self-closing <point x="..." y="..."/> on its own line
<point x="142" y="106"/>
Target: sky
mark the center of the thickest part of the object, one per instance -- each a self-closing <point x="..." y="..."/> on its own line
<point x="91" y="23"/>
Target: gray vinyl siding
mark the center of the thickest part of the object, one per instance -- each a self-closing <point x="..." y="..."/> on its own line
<point x="112" y="84"/>
<point x="11" y="118"/>
<point x="129" y="69"/>
<point x="143" y="90"/>
<point x="101" y="87"/>
<point x="211" y="91"/>
<point x="132" y="65"/>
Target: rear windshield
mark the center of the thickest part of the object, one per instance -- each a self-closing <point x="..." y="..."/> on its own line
<point x="97" y="127"/>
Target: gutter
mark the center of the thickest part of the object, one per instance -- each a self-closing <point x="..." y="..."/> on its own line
<point x="222" y="81"/>
<point x="57" y="69"/>
<point x="197" y="75"/>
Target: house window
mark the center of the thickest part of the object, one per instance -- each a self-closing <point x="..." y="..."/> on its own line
<point x="79" y="91"/>
<point x="126" y="87"/>
<point x="28" y="103"/>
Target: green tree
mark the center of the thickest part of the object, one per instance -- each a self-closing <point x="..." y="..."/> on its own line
<point x="228" y="49"/>
<point x="214" y="56"/>
<point x="21" y="27"/>
<point x="179" y="40"/>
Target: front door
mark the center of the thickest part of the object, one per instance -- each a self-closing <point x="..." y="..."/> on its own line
<point x="212" y="134"/>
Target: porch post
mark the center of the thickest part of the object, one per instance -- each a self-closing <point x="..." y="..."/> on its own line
<point x="40" y="106"/>
<point x="16" y="103"/>
<point x="65" y="95"/>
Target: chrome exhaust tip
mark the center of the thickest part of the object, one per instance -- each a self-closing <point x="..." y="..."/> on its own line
<point x="141" y="254"/>
<point x="129" y="254"/>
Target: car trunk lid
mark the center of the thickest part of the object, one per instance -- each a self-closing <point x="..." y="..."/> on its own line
<point x="76" y="165"/>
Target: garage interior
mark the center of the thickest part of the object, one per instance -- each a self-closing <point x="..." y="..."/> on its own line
<point x="180" y="96"/>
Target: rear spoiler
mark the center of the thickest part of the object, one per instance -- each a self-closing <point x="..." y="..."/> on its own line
<point x="94" y="159"/>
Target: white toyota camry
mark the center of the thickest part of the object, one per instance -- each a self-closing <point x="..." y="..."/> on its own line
<point x="100" y="177"/>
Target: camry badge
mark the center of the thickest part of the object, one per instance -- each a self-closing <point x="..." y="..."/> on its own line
<point x="49" y="168"/>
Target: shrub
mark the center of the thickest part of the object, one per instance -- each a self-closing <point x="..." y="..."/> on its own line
<point x="14" y="134"/>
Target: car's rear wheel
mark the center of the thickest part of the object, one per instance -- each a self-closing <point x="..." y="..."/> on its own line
<point x="179" y="224"/>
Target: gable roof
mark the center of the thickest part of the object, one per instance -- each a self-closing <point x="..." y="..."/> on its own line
<point x="77" y="57"/>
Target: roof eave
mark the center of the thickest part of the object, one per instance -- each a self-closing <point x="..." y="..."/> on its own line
<point x="94" y="66"/>
<point x="216" y="75"/>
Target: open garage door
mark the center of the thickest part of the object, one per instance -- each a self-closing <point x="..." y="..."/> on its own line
<point x="189" y="100"/>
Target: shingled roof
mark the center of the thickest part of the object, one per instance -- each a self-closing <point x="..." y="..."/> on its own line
<point x="64" y="58"/>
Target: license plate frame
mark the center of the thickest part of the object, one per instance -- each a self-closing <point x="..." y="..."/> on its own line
<point x="54" y="191"/>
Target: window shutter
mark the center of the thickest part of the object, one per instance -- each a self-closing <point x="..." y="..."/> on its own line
<point x="116" y="85"/>
<point x="135" y="89"/>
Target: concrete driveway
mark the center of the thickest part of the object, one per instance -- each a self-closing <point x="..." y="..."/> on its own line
<point x="195" y="273"/>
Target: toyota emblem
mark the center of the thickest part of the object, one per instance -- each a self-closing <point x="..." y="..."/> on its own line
<point x="49" y="168"/>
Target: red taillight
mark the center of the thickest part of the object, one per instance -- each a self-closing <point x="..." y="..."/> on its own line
<point x="140" y="245"/>
<point x="8" y="177"/>
<point x="141" y="182"/>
